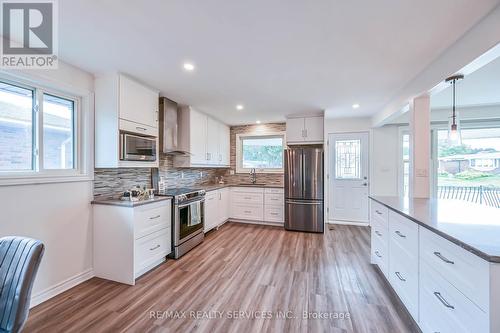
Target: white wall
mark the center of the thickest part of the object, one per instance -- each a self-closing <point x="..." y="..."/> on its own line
<point x="58" y="214"/>
<point x="384" y="153"/>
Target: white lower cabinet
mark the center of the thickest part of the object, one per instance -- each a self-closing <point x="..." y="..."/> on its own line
<point x="258" y="204"/>
<point x="216" y="208"/>
<point x="129" y="241"/>
<point x="443" y="286"/>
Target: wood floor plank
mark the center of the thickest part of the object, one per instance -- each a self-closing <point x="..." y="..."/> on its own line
<point x="239" y="275"/>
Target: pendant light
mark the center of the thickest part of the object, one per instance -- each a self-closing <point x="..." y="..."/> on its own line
<point x="454" y="135"/>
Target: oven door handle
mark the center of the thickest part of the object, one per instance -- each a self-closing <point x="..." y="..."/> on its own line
<point x="190" y="203"/>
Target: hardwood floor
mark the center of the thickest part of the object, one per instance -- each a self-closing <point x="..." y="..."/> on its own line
<point x="240" y="267"/>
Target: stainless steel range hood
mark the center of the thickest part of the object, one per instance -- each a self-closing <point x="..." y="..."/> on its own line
<point x="169" y="128"/>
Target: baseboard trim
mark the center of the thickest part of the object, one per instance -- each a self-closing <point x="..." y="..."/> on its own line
<point x="61" y="287"/>
<point x="274" y="224"/>
<point x="361" y="224"/>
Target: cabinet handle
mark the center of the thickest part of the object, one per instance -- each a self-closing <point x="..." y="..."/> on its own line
<point x="378" y="212"/>
<point x="154" y="248"/>
<point x="275" y="214"/>
<point x="247" y="212"/>
<point x="378" y="233"/>
<point x="378" y="254"/>
<point x="443" y="258"/>
<point x="400" y="276"/>
<point x="442" y="300"/>
<point x="141" y="128"/>
<point x="400" y="234"/>
<point x="305" y="131"/>
<point x="154" y="217"/>
<point x="247" y="198"/>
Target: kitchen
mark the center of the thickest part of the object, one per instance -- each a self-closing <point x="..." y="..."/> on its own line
<point x="257" y="187"/>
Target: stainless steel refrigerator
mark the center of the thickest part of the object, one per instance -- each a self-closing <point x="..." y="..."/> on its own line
<point x="304" y="206"/>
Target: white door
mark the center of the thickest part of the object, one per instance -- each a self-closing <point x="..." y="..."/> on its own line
<point x="313" y="130"/>
<point x="348" y="177"/>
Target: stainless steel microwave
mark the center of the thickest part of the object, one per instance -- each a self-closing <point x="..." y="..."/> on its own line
<point x="137" y="147"/>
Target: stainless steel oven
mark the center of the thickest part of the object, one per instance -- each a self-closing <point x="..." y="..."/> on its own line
<point x="188" y="220"/>
<point x="134" y="147"/>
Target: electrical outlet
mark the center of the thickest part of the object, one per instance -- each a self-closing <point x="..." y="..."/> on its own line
<point x="231" y="172"/>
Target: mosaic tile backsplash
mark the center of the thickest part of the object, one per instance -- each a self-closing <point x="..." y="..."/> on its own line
<point x="113" y="182"/>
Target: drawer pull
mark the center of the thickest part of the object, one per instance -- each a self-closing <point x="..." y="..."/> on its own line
<point x="378" y="254"/>
<point x="400" y="234"/>
<point x="400" y="276"/>
<point x="247" y="212"/>
<point x="155" y="217"/>
<point x="275" y="214"/>
<point x="154" y="248"/>
<point x="442" y="300"/>
<point x="247" y="198"/>
<point x="274" y="199"/>
<point x="378" y="233"/>
<point x="443" y="258"/>
<point x="378" y="212"/>
<point x="141" y="128"/>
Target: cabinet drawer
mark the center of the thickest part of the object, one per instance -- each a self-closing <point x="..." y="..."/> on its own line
<point x="379" y="211"/>
<point x="379" y="254"/>
<point x="248" y="198"/>
<point x="247" y="189"/>
<point x="380" y="231"/>
<point x="274" y="190"/>
<point x="465" y="271"/>
<point x="150" y="249"/>
<point x="130" y="126"/>
<point x="444" y="309"/>
<point x="405" y="233"/>
<point x="403" y="276"/>
<point x="248" y="212"/>
<point x="274" y="213"/>
<point x="152" y="217"/>
<point x="274" y="199"/>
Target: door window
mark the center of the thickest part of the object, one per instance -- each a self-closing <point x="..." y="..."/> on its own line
<point x="348" y="159"/>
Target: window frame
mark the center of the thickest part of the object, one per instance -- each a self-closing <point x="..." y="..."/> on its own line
<point x="81" y="170"/>
<point x="239" y="152"/>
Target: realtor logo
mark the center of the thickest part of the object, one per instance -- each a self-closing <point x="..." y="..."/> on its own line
<point x="29" y="30"/>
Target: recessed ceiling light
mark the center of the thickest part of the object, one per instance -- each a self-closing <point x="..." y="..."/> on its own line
<point x="257" y="122"/>
<point x="355" y="106"/>
<point x="188" y="66"/>
<point x="239" y="107"/>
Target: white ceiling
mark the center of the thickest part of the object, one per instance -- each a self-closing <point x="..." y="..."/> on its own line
<point x="481" y="87"/>
<point x="275" y="57"/>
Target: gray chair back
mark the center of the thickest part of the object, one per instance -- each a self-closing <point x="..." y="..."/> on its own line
<point x="19" y="261"/>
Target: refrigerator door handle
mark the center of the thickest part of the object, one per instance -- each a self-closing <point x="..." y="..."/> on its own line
<point x="304" y="202"/>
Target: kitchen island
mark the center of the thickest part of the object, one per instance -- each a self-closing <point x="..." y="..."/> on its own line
<point x="442" y="258"/>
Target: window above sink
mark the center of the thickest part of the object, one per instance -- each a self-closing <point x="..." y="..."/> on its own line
<point x="262" y="152"/>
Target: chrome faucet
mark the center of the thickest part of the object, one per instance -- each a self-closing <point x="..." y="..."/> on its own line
<point x="253" y="176"/>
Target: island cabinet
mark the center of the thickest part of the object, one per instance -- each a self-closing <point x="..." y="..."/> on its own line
<point x="445" y="287"/>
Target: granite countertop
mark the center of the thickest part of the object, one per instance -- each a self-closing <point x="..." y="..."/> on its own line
<point x="125" y="203"/>
<point x="474" y="227"/>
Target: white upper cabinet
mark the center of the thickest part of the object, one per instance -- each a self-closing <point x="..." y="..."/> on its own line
<point x="224" y="144"/>
<point x="308" y="130"/>
<point x="206" y="139"/>
<point x="212" y="141"/>
<point x="138" y="103"/>
<point x="127" y="105"/>
<point x="295" y="130"/>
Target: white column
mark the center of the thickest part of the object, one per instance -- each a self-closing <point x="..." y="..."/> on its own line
<point x="420" y="147"/>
